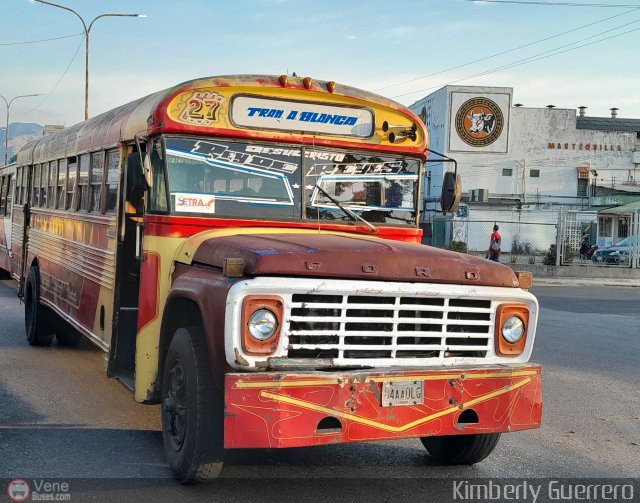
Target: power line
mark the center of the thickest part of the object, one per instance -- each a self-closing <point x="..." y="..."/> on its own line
<point x="530" y="59"/>
<point x="57" y="83"/>
<point x="563" y="4"/>
<point x="507" y="51"/>
<point x="38" y="41"/>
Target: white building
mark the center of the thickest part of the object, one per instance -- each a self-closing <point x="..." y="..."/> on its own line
<point x="521" y="164"/>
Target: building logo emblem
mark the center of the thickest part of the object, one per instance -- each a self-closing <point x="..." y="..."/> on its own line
<point x="479" y="122"/>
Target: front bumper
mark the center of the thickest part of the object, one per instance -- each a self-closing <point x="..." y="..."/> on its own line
<point x="274" y="410"/>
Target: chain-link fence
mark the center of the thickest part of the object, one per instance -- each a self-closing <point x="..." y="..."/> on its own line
<point x="521" y="242"/>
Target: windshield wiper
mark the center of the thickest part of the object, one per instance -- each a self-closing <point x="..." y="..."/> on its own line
<point x="347" y="211"/>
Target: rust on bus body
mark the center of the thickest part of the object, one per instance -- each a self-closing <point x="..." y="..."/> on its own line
<point x="355" y="257"/>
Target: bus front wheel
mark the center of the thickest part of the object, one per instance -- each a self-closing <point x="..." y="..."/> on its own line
<point x="192" y="409"/>
<point x="36" y="321"/>
<point x="461" y="449"/>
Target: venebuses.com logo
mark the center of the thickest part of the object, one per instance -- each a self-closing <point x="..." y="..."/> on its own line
<point x="18" y="490"/>
<point x="38" y="490"/>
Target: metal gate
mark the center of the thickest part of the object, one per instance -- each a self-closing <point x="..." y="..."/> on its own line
<point x="573" y="225"/>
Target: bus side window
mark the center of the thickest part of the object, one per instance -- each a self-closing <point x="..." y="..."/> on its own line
<point x="111" y="184"/>
<point x="24" y="196"/>
<point x="18" y="186"/>
<point x="82" y="201"/>
<point x="3" y="194"/>
<point x="95" y="187"/>
<point x="62" y="184"/>
<point x="71" y="184"/>
<point x="44" y="184"/>
<point x="11" y="188"/>
<point x="53" y="181"/>
<point x="35" y="186"/>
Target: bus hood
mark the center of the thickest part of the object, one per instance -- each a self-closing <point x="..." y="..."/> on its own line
<point x="349" y="256"/>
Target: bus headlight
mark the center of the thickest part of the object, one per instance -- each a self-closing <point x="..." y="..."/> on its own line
<point x="512" y="329"/>
<point x="512" y="321"/>
<point x="262" y="324"/>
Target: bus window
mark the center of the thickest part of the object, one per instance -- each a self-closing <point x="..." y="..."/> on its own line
<point x="113" y="175"/>
<point x="18" y="185"/>
<point x="12" y="185"/>
<point x="158" y="200"/>
<point x="62" y="184"/>
<point x="3" y="194"/>
<point x="71" y="184"/>
<point x="44" y="184"/>
<point x="53" y="182"/>
<point x="25" y="184"/>
<point x="82" y="197"/>
<point x="35" y="186"/>
<point x="95" y="187"/>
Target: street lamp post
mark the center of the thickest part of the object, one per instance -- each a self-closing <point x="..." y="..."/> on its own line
<point x="6" y="129"/>
<point x="87" y="30"/>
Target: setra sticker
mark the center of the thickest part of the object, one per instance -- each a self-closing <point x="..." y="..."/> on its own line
<point x="194" y="203"/>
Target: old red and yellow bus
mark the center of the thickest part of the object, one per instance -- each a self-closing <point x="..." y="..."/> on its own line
<point x="246" y="250"/>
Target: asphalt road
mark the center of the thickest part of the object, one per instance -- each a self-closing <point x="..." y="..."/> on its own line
<point x="61" y="418"/>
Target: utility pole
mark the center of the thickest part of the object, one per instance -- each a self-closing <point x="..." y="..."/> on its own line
<point x="6" y="130"/>
<point x="87" y="30"/>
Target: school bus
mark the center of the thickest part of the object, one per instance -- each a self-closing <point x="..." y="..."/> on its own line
<point x="246" y="251"/>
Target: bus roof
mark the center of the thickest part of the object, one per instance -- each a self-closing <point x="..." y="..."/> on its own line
<point x="207" y="107"/>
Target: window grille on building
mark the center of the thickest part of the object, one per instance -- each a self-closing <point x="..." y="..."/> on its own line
<point x="582" y="188"/>
<point x="507" y="172"/>
<point x="534" y="173"/>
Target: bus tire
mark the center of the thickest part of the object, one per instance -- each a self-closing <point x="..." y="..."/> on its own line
<point x="461" y="449"/>
<point x="36" y="316"/>
<point x="192" y="409"/>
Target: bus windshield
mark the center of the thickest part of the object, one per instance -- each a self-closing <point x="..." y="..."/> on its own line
<point x="210" y="177"/>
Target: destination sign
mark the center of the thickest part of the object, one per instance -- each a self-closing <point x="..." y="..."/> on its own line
<point x="296" y="116"/>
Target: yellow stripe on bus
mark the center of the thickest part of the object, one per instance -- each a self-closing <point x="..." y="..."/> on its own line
<point x="381" y="426"/>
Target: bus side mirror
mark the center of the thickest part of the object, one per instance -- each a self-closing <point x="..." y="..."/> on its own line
<point x="136" y="171"/>
<point x="451" y="192"/>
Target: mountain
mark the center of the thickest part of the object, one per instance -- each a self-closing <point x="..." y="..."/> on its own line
<point x="20" y="133"/>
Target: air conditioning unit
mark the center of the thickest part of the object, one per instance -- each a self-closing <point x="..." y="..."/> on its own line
<point x="479" y="195"/>
<point x="483" y="195"/>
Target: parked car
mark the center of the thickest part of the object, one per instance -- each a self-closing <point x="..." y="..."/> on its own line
<point x="613" y="254"/>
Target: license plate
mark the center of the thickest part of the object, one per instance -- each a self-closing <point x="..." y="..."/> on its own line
<point x="402" y="393"/>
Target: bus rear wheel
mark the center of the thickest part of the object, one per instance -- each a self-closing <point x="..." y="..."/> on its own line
<point x="461" y="449"/>
<point x="36" y="318"/>
<point x="192" y="410"/>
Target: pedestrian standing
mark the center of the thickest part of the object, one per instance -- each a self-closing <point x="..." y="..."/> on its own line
<point x="494" y="245"/>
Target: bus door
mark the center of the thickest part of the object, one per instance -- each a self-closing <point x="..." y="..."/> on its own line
<point x="123" y="347"/>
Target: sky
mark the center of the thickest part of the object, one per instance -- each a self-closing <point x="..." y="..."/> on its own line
<point x="565" y="55"/>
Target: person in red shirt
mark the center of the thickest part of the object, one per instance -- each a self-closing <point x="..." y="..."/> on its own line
<point x="494" y="245"/>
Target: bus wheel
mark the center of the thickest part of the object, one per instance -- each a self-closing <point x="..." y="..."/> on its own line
<point x="36" y="319"/>
<point x="192" y="410"/>
<point x="461" y="449"/>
